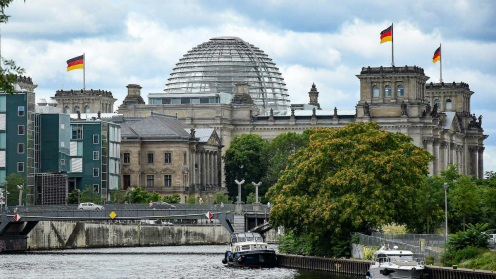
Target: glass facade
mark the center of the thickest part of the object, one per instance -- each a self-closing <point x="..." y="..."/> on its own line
<point x="217" y="65"/>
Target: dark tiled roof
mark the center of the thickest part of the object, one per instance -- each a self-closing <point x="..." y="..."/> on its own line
<point x="154" y="126"/>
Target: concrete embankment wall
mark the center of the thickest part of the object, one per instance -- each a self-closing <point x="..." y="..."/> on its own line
<point x="58" y="235"/>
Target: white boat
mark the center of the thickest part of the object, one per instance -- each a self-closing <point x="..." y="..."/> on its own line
<point x="394" y="263"/>
<point x="249" y="250"/>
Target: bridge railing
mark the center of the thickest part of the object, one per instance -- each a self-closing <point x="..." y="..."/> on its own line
<point x="132" y="206"/>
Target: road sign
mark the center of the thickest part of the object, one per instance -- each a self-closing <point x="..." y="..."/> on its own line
<point x="209" y="215"/>
<point x="422" y="245"/>
<point x="17" y="217"/>
<point x="112" y="215"/>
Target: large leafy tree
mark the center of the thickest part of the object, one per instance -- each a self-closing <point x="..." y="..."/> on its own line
<point x="278" y="152"/>
<point x="353" y="178"/>
<point x="429" y="205"/>
<point x="465" y="197"/>
<point x="8" y="68"/>
<point x="11" y="182"/>
<point x="245" y="159"/>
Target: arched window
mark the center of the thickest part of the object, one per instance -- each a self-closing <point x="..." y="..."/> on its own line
<point x="67" y="110"/>
<point x="448" y="104"/>
<point x="375" y="91"/>
<point x="76" y="109"/>
<point x="87" y="109"/>
<point x="388" y="91"/>
<point x="438" y="103"/>
<point x="401" y="91"/>
<point x="427" y="101"/>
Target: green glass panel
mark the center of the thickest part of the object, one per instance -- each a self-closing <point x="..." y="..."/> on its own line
<point x="3" y="103"/>
<point x="2" y="176"/>
<point x="3" y="141"/>
<point x="80" y="148"/>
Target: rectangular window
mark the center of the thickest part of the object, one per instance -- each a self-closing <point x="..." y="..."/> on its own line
<point x="168" y="157"/>
<point x="150" y="158"/>
<point x="96" y="139"/>
<point x="80" y="148"/>
<point x="2" y="176"/>
<point x="185" y="159"/>
<point x="2" y="159"/>
<point x="20" y="166"/>
<point x="127" y="181"/>
<point x="127" y="158"/>
<point x="3" y="121"/>
<point x="150" y="180"/>
<point x="77" y="164"/>
<point x="3" y="103"/>
<point x="20" y="111"/>
<point x="77" y="132"/>
<point x="167" y="180"/>
<point x="3" y="140"/>
<point x="20" y="148"/>
<point x="96" y="188"/>
<point x="62" y="126"/>
<point x="20" y="130"/>
<point x="96" y="155"/>
<point x="62" y="162"/>
<point x="62" y="144"/>
<point x="96" y="172"/>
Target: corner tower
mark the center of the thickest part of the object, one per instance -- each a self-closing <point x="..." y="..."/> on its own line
<point x="314" y="96"/>
<point x="392" y="91"/>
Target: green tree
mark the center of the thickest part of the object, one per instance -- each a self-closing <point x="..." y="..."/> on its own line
<point x="245" y="159"/>
<point x="429" y="205"/>
<point x="220" y="197"/>
<point x="279" y="150"/>
<point x="138" y="196"/>
<point x="9" y="70"/>
<point x="354" y="178"/>
<point x="465" y="197"/>
<point x="251" y="198"/>
<point x="11" y="181"/>
<point x="192" y="200"/>
<point x="174" y="199"/>
<point x="117" y="197"/>
<point x="88" y="195"/>
<point x="154" y="197"/>
<point x="73" y="197"/>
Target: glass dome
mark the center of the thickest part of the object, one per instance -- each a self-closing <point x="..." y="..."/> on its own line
<point x="217" y="65"/>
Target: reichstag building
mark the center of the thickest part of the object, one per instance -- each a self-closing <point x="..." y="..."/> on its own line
<point x="235" y="88"/>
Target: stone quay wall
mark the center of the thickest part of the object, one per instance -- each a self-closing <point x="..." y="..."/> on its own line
<point x="62" y="235"/>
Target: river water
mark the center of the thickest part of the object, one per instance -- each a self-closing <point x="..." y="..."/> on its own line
<point x="139" y="262"/>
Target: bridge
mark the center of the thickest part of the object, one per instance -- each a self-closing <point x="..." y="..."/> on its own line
<point x="17" y="222"/>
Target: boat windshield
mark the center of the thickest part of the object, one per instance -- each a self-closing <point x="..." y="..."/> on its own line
<point x="401" y="258"/>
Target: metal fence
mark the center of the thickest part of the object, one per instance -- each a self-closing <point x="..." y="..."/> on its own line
<point x="434" y="240"/>
<point x="377" y="240"/>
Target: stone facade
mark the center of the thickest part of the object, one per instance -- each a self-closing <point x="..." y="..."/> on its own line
<point x="394" y="97"/>
<point x="85" y="101"/>
<point x="161" y="154"/>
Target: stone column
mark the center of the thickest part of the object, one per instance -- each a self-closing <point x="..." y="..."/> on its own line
<point x="193" y="170"/>
<point x="437" y="161"/>
<point x="209" y="168"/>
<point x="214" y="162"/>
<point x="394" y="90"/>
<point x="428" y="145"/>
<point x="204" y="168"/>
<point x="381" y="90"/>
<point x="473" y="160"/>
<point x="481" y="162"/>
<point x="451" y="153"/>
<point x="442" y="156"/>
<point x="369" y="90"/>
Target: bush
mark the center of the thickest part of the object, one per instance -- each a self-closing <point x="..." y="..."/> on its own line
<point x="485" y="261"/>
<point x="368" y="252"/>
<point x="429" y="260"/>
<point x="474" y="236"/>
<point x="455" y="257"/>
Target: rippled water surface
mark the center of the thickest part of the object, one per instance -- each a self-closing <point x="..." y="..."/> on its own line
<point x="139" y="262"/>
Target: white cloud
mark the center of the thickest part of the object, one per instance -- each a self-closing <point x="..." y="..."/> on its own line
<point x="490" y="158"/>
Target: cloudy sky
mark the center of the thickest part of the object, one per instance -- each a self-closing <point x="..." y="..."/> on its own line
<point x="326" y="42"/>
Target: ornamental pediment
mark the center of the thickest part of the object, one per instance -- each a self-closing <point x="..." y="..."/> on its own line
<point x="167" y="170"/>
<point x="214" y="139"/>
<point x="127" y="171"/>
<point x="149" y="170"/>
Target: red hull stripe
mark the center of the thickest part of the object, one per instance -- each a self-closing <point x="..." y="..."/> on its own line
<point x="77" y="62"/>
<point x="387" y="34"/>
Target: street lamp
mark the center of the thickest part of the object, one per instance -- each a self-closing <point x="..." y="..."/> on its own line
<point x="20" y="187"/>
<point x="256" y="190"/>
<point x="239" y="189"/>
<point x="79" y="196"/>
<point x="446" y="186"/>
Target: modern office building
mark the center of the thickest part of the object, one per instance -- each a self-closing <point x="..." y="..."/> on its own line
<point x="95" y="156"/>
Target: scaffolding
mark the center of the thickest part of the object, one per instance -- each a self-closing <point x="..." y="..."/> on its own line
<point x="51" y="189"/>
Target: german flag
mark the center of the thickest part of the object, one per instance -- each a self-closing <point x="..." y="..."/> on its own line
<point x="437" y="55"/>
<point x="75" y="63"/>
<point x="387" y="34"/>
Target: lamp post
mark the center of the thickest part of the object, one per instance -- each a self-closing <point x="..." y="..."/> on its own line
<point x="239" y="208"/>
<point x="20" y="187"/>
<point x="256" y="205"/>
<point x="79" y="196"/>
<point x="446" y="186"/>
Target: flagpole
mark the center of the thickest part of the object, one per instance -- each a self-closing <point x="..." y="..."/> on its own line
<point x="392" y="44"/>
<point x="84" y="74"/>
<point x="440" y="63"/>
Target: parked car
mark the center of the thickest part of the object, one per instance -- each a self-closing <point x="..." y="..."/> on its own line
<point x="90" y="206"/>
<point x="161" y="205"/>
<point x="492" y="240"/>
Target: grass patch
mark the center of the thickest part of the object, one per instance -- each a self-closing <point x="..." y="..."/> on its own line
<point x="485" y="261"/>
